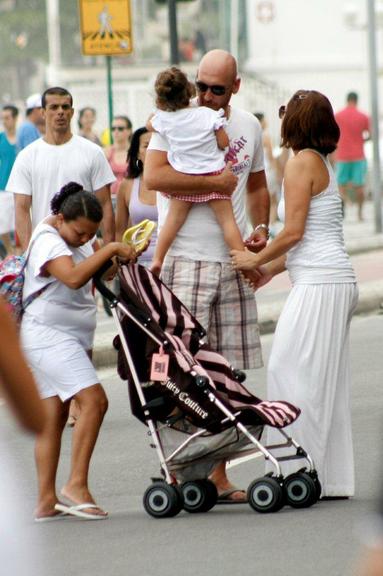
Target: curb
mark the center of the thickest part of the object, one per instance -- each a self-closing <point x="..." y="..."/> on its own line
<point x="370" y="300"/>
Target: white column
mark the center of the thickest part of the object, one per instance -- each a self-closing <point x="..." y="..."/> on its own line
<point x="54" y="44"/>
<point x="234" y="6"/>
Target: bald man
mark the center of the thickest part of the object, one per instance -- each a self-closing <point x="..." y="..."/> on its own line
<point x="197" y="267"/>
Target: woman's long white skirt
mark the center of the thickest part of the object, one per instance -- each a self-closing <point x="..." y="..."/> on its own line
<point x="309" y="367"/>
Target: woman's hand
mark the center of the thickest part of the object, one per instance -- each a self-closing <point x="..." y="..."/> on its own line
<point x="256" y="241"/>
<point x="243" y="259"/>
<point x="124" y="252"/>
<point x="264" y="276"/>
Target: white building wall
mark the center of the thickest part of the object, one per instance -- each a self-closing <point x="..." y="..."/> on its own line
<point x="310" y="44"/>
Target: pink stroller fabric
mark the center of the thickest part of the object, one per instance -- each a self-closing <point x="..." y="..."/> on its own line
<point x="185" y="335"/>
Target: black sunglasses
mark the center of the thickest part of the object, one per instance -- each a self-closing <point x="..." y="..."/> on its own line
<point x="119" y="128"/>
<point x="281" y="111"/>
<point x="216" y="90"/>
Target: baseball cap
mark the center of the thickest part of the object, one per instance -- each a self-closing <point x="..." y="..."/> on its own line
<point x="33" y="101"/>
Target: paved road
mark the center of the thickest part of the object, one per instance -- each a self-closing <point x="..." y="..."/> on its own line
<point x="320" y="541"/>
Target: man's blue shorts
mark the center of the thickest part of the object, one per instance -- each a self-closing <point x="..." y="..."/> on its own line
<point x="351" y="172"/>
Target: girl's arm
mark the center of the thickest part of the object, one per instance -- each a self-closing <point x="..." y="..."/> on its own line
<point x="122" y="210"/>
<point x="76" y="275"/>
<point x="149" y="125"/>
<point x="16" y="380"/>
<point x="298" y="184"/>
<point x="222" y="138"/>
<point x="159" y="175"/>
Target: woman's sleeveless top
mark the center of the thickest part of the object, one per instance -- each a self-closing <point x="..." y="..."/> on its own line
<point x="139" y="211"/>
<point x="119" y="170"/>
<point x="320" y="257"/>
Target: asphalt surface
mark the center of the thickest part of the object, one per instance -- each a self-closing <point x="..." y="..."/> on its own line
<point x="320" y="541"/>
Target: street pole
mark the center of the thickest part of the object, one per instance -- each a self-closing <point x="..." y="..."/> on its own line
<point x="373" y="73"/>
<point x="54" y="44"/>
<point x="110" y="94"/>
<point x="234" y="28"/>
<point x="173" y="34"/>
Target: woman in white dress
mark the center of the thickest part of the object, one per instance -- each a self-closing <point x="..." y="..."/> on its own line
<point x="309" y="362"/>
<point x="57" y="332"/>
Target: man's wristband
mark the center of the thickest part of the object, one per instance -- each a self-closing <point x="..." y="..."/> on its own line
<point x="263" y="227"/>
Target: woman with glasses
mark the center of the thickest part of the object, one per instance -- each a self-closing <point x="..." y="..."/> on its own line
<point x="117" y="152"/>
<point x="309" y="362"/>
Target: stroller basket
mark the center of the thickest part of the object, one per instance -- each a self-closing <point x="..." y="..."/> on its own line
<point x="195" y="405"/>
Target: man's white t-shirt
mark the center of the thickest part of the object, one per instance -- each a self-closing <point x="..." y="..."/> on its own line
<point x="70" y="311"/>
<point x="190" y="133"/>
<point x="41" y="169"/>
<point x="201" y="237"/>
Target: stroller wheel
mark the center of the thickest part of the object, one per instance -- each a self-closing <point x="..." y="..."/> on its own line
<point x="300" y="490"/>
<point x="162" y="500"/>
<point x="318" y="485"/>
<point x="199" y="495"/>
<point x="265" y="495"/>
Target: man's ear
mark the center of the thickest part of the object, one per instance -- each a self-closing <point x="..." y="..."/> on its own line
<point x="236" y="85"/>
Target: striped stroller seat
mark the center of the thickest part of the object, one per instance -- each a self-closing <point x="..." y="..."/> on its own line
<point x="185" y="335"/>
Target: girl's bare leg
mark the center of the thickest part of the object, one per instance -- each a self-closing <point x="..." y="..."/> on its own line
<point x="223" y="211"/>
<point x="47" y="453"/>
<point x="93" y="405"/>
<point x="177" y="214"/>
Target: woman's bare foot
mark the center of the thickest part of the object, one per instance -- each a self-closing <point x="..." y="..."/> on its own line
<point x="81" y="495"/>
<point x="46" y="509"/>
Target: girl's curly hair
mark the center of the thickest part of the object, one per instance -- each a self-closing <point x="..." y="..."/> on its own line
<point x="173" y="90"/>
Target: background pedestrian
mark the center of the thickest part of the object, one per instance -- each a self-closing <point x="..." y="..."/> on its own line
<point x="134" y="201"/>
<point x="52" y="161"/>
<point x="29" y="131"/>
<point x="351" y="163"/>
<point x="8" y="150"/>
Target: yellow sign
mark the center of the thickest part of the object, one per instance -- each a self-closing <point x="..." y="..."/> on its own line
<point x="106" y="27"/>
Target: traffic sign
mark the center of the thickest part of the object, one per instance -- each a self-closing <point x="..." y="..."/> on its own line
<point x="106" y="27"/>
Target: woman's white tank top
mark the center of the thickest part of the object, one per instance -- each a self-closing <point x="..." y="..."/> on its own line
<point x="320" y="257"/>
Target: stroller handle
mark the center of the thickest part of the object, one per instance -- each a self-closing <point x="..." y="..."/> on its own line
<point x="98" y="282"/>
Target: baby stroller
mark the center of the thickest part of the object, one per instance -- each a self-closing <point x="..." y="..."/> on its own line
<point x="195" y="405"/>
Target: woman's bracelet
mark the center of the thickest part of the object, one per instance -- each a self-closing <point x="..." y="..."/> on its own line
<point x="263" y="227"/>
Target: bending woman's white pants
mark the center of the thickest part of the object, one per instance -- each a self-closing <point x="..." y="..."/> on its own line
<point x="309" y="367"/>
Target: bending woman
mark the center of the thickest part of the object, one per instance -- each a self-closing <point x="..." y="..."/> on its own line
<point x="57" y="335"/>
<point x="309" y="362"/>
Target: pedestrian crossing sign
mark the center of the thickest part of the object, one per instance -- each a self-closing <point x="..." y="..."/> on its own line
<point x="106" y="27"/>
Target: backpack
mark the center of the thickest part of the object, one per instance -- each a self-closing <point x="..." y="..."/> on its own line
<point x="12" y="283"/>
<point x="12" y="275"/>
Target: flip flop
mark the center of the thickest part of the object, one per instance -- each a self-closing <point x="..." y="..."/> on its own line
<point x="224" y="497"/>
<point x="139" y="234"/>
<point x="78" y="511"/>
<point x="53" y="517"/>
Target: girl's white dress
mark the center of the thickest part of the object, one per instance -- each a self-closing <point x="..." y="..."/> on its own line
<point x="309" y="362"/>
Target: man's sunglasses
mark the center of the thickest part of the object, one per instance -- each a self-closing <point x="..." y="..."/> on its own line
<point x="119" y="128"/>
<point x="216" y="90"/>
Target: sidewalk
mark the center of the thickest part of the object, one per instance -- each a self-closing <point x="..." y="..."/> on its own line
<point x="366" y="251"/>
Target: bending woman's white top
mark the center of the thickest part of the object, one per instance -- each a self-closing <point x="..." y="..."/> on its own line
<point x="320" y="257"/>
<point x="70" y="311"/>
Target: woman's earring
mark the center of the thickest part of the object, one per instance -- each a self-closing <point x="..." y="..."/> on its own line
<point x="139" y="165"/>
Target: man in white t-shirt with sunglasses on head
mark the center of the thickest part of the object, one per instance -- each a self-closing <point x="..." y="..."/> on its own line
<point x="198" y="268"/>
